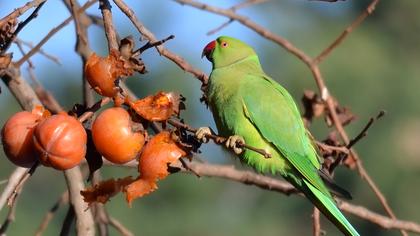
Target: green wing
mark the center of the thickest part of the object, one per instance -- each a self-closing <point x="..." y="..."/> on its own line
<point x="275" y="115"/>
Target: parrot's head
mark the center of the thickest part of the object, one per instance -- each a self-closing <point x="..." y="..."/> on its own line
<point x="226" y="50"/>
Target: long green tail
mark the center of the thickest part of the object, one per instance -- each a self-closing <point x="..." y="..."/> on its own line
<point x="327" y="206"/>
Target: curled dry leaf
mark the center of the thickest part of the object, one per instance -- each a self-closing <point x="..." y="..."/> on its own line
<point x="5" y="60"/>
<point x="7" y="28"/>
<point x="313" y="106"/>
<point x="104" y="190"/>
<point x="102" y="72"/>
<point x="160" y="151"/>
<point x="157" y="107"/>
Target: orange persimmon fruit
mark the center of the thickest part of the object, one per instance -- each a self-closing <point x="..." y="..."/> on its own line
<point x="115" y="136"/>
<point x="60" y="141"/>
<point x="160" y="151"/>
<point x="102" y="72"/>
<point x="17" y="138"/>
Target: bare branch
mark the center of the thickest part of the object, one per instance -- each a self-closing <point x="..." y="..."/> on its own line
<point x="64" y="199"/>
<point x="252" y="25"/>
<point x="51" y="33"/>
<point x="110" y="33"/>
<point x="84" y="219"/>
<point x="41" y="51"/>
<point x="219" y="139"/>
<point x="316" y="222"/>
<point x="384" y="222"/>
<point x="18" y="12"/>
<point x="162" y="50"/>
<point x="369" y="10"/>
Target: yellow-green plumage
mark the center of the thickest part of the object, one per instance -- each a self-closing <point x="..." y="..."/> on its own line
<point x="246" y="102"/>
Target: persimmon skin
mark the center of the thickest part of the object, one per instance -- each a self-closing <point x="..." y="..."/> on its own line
<point x="102" y="72"/>
<point x="17" y="138"/>
<point x="60" y="141"/>
<point x="160" y="151"/>
<point x="114" y="138"/>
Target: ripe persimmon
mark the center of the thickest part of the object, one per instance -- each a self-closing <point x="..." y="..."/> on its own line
<point x="17" y="138"/>
<point x="60" y="141"/>
<point x="115" y="136"/>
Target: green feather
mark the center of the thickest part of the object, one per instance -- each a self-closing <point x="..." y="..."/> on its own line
<point x="246" y="102"/>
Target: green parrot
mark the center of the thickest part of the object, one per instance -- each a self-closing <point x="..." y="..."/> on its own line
<point x="250" y="107"/>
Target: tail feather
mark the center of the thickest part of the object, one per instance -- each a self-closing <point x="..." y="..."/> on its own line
<point x="328" y="207"/>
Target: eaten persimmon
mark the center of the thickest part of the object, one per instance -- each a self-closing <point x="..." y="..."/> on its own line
<point x="102" y="72"/>
<point x="160" y="151"/>
<point x="157" y="107"/>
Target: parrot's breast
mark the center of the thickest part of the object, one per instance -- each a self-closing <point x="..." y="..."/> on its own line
<point x="226" y="103"/>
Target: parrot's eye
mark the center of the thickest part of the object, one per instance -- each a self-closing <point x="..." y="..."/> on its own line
<point x="224" y="44"/>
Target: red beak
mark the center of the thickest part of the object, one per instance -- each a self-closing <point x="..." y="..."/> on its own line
<point x="208" y="50"/>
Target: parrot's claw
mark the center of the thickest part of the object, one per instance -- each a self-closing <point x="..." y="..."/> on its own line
<point x="232" y="143"/>
<point x="201" y="134"/>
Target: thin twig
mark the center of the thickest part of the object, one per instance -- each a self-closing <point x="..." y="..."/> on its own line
<point x="95" y="107"/>
<point x="234" y="8"/>
<point x="119" y="227"/>
<point x="110" y="33"/>
<point x="68" y="221"/>
<point x="383" y="221"/>
<point x="363" y="133"/>
<point x="151" y="45"/>
<point x="64" y="199"/>
<point x="83" y="21"/>
<point x="21" y="10"/>
<point x="21" y="25"/>
<point x="326" y="147"/>
<point x="84" y="219"/>
<point x="368" y="11"/>
<point x="182" y="63"/>
<point x="51" y="33"/>
<point x="21" y="182"/>
<point x="40" y="51"/>
<point x="219" y="139"/>
<point x="10" y="218"/>
<point x="316" y="222"/>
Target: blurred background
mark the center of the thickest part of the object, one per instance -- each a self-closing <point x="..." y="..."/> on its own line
<point x="377" y="67"/>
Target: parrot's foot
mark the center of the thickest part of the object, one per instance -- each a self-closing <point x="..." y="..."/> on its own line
<point x="232" y="143"/>
<point x="202" y="133"/>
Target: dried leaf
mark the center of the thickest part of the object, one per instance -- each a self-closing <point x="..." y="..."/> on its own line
<point x="103" y="191"/>
<point x="350" y="161"/>
<point x="5" y="60"/>
<point x="6" y="30"/>
<point x="313" y="106"/>
<point x="157" y="107"/>
<point x="344" y="115"/>
<point x="160" y="151"/>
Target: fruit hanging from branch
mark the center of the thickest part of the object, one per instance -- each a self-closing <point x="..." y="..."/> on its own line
<point x="116" y="136"/>
<point x="60" y="141"/>
<point x="17" y="136"/>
